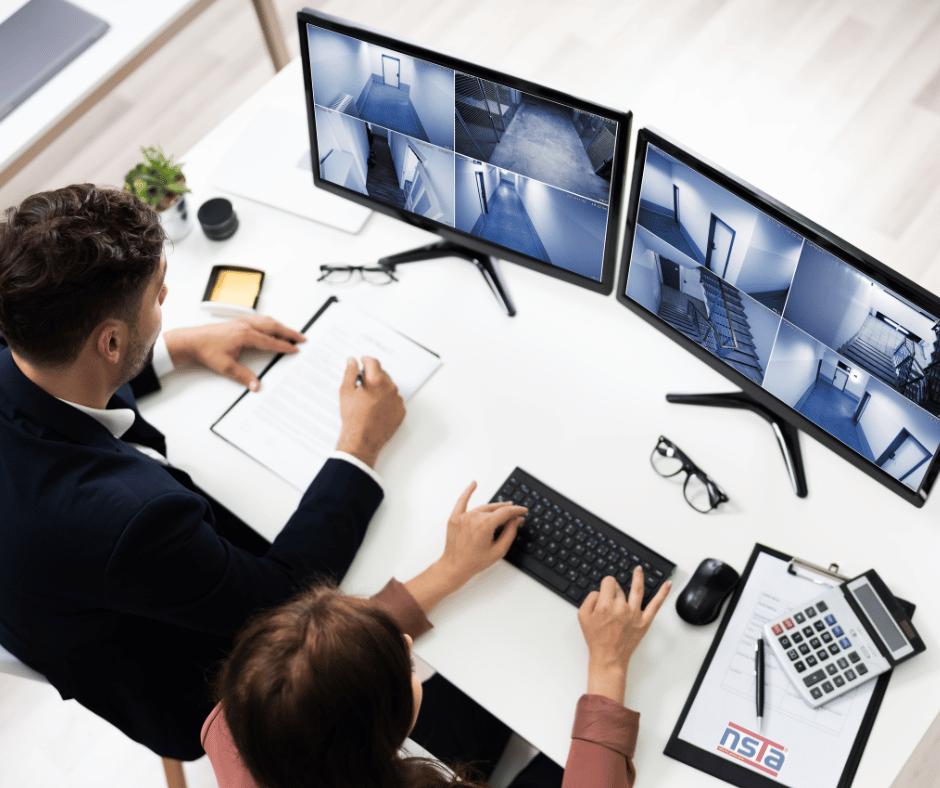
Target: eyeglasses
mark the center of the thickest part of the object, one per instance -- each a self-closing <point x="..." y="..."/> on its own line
<point x="701" y="491"/>
<point x="342" y="274"/>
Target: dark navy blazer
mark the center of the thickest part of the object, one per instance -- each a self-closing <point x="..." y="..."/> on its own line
<point x="114" y="582"/>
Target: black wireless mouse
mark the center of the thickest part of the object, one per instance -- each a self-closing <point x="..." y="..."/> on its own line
<point x="701" y="600"/>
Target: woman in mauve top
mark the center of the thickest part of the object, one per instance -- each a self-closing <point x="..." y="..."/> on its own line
<point x="320" y="692"/>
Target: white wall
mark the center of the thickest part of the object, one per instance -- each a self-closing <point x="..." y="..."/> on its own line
<point x="657" y="179"/>
<point x="432" y="96"/>
<point x="886" y="415"/>
<point x="771" y="258"/>
<point x="338" y="64"/>
<point x="792" y="368"/>
<point x="828" y="299"/>
<point x="643" y="282"/>
<point x="903" y="314"/>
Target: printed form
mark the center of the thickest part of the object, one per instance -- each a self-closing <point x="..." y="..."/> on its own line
<point x="292" y="424"/>
<point x="808" y="748"/>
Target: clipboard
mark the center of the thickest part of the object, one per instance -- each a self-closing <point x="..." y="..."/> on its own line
<point x="292" y="424"/>
<point x="740" y="768"/>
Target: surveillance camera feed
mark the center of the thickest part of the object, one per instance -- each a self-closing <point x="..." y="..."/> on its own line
<point x="505" y="166"/>
<point x="845" y="351"/>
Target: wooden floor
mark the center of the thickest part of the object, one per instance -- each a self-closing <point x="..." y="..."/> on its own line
<point x="832" y="106"/>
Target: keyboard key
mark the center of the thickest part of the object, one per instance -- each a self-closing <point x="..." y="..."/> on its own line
<point x="804" y="649"/>
<point x="572" y="576"/>
<point x="862" y="670"/>
<point x="797" y="637"/>
<point x="830" y="619"/>
<point x="561" y="567"/>
<point x="816" y="693"/>
<point x="800" y="667"/>
<point x="814" y="678"/>
<point x="838" y="681"/>
<point x="814" y="643"/>
<point x="538" y="569"/>
<point x="820" y="626"/>
<point x="785" y="641"/>
<point x="823" y="656"/>
<point x="792" y="655"/>
<point x="788" y="623"/>
<point x="811" y="660"/>
<point x="810" y="612"/>
<point x="808" y="631"/>
<point x="831" y="670"/>
<point x="583" y="582"/>
<point x="826" y="637"/>
<point x="854" y="657"/>
<point x="846" y="643"/>
<point x="833" y="649"/>
<point x="822" y="607"/>
<point x="827" y="687"/>
<point x="776" y="628"/>
<point x="850" y="675"/>
<point x="576" y="593"/>
<point x="843" y="663"/>
<point x="799" y="618"/>
<point x="837" y="631"/>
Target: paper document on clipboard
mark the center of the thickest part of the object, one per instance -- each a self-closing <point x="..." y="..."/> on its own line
<point x="800" y="746"/>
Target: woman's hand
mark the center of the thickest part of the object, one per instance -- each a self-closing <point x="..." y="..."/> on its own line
<point x="613" y="626"/>
<point x="470" y="547"/>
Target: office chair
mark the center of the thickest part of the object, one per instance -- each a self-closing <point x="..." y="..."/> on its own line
<point x="12" y="666"/>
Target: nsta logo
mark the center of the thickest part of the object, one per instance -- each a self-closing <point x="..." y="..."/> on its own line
<point x="753" y="749"/>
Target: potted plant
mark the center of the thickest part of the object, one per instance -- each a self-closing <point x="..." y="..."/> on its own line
<point x="160" y="183"/>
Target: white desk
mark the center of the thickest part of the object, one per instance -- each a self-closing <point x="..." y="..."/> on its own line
<point x="572" y="390"/>
<point x="137" y="30"/>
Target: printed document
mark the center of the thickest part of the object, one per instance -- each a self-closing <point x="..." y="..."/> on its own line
<point x="292" y="424"/>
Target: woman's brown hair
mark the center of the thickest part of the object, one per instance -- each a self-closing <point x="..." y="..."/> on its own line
<point x="317" y="694"/>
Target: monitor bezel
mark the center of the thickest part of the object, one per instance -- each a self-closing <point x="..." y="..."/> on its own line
<point x="605" y="284"/>
<point x="823" y="238"/>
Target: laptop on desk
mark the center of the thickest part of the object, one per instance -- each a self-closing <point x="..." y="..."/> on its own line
<point x="38" y="41"/>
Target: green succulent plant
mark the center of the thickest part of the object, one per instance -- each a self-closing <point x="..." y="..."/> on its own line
<point x="157" y="180"/>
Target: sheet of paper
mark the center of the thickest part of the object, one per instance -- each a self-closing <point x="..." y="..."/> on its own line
<point x="292" y="424"/>
<point x="806" y="747"/>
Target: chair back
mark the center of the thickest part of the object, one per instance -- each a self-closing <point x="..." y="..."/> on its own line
<point x="10" y="664"/>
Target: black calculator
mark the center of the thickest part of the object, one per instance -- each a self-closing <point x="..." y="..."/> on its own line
<point x="846" y="636"/>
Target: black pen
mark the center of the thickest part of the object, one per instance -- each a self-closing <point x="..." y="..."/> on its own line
<point x="759" y="672"/>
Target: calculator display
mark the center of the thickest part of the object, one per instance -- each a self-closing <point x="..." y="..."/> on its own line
<point x="880" y="618"/>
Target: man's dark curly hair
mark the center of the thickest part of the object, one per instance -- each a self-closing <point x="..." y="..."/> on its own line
<point x="70" y="259"/>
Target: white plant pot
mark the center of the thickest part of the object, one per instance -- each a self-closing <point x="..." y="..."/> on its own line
<point x="176" y="220"/>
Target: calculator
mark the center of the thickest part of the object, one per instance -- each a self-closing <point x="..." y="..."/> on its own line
<point x="846" y="636"/>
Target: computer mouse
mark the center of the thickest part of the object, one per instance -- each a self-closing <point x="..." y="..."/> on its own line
<point x="701" y="600"/>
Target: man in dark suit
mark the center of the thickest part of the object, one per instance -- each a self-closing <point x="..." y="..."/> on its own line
<point x="120" y="580"/>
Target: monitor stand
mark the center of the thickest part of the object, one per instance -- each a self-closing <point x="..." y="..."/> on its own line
<point x="484" y="263"/>
<point x="788" y="437"/>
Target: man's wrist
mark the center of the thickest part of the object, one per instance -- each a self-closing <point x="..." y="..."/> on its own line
<point x="358" y="449"/>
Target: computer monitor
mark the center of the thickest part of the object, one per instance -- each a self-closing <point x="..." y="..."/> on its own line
<point x="497" y="166"/>
<point x="817" y="334"/>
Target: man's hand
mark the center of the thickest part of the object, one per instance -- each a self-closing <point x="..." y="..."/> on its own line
<point x="470" y="547"/>
<point x="219" y="346"/>
<point x="613" y="626"/>
<point x="371" y="411"/>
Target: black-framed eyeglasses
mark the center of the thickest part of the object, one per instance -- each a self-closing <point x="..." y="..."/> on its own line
<point x="373" y="274"/>
<point x="701" y="491"/>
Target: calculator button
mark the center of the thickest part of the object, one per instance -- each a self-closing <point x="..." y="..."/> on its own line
<point x="838" y="681"/>
<point x="831" y="670"/>
<point x="785" y="641"/>
<point x="833" y="649"/>
<point x="850" y="675"/>
<point x="827" y="686"/>
<point x="830" y="619"/>
<point x="837" y="631"/>
<point x="813" y="678"/>
<point x="788" y="623"/>
<point x="826" y="637"/>
<point x="814" y="643"/>
<point x="804" y="649"/>
<point x="816" y="693"/>
<point x="800" y="667"/>
<point x="792" y="654"/>
<point x="823" y="656"/>
<point x="854" y="657"/>
<point x="821" y="607"/>
<point x="811" y="660"/>
<point x="820" y="626"/>
<point x="862" y="670"/>
<point x="843" y="663"/>
<point x="777" y="629"/>
<point x="810" y="612"/>
<point x="845" y="643"/>
<point x="797" y="637"/>
<point x="808" y="631"/>
<point x="865" y="652"/>
<point x="799" y="618"/>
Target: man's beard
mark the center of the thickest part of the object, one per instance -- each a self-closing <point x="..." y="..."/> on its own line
<point x="139" y="356"/>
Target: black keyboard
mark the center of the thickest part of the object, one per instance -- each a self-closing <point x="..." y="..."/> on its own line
<point x="570" y="550"/>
